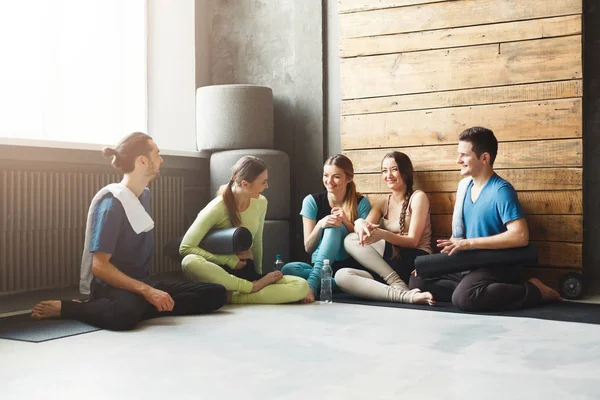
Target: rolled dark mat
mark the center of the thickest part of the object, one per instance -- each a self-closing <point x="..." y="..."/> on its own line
<point x="440" y="264"/>
<point x="217" y="241"/>
<point x="227" y="241"/>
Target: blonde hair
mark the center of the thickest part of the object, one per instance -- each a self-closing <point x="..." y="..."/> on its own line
<point x="350" y="204"/>
<point x="247" y="168"/>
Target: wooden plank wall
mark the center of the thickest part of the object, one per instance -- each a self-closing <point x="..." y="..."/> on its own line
<point x="416" y="73"/>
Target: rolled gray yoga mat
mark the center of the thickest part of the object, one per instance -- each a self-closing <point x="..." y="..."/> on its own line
<point x="434" y="265"/>
<point x="216" y="241"/>
<point x="227" y="241"/>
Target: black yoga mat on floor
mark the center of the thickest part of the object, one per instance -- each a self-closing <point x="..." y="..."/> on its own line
<point x="22" y="327"/>
<point x="567" y="311"/>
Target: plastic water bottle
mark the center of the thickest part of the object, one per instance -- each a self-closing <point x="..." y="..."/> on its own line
<point x="326" y="292"/>
<point x="278" y="263"/>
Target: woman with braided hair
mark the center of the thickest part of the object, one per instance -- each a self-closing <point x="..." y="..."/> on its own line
<point x="396" y="231"/>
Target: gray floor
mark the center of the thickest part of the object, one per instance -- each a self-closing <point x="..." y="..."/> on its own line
<point x="336" y="351"/>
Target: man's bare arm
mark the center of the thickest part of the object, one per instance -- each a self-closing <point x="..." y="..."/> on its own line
<point x="104" y="270"/>
<point x="516" y="235"/>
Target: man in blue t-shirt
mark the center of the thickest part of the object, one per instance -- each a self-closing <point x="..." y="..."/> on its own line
<point x="121" y="291"/>
<point x="492" y="219"/>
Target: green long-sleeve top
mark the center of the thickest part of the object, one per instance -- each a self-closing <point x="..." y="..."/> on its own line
<point x="215" y="216"/>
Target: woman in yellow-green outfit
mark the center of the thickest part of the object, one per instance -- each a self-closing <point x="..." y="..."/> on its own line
<point x="239" y="203"/>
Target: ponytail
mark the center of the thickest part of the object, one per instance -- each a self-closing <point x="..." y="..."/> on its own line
<point x="227" y="194"/>
<point x="350" y="205"/>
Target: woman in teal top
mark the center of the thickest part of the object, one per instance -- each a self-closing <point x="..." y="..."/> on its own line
<point x="327" y="218"/>
<point x="239" y="203"/>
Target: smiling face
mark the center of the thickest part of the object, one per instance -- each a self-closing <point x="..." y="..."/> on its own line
<point x="470" y="164"/>
<point x="391" y="175"/>
<point x="256" y="187"/>
<point x="335" y="180"/>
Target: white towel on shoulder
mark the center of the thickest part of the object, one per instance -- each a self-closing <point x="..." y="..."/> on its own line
<point x="137" y="216"/>
<point x="458" y="227"/>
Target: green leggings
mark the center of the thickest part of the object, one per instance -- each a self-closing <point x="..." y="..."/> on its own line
<point x="288" y="289"/>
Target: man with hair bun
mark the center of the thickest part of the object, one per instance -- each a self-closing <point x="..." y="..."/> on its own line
<point x="119" y="242"/>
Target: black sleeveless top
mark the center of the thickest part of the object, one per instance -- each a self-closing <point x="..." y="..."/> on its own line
<point x="323" y="207"/>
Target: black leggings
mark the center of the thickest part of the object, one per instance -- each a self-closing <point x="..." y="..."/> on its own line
<point x="404" y="264"/>
<point x="119" y="309"/>
<point x="483" y="289"/>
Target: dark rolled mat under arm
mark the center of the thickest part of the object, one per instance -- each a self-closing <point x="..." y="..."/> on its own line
<point x="440" y="264"/>
<point x="227" y="241"/>
<point x="217" y="241"/>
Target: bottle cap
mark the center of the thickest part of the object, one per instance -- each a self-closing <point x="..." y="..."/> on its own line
<point x="277" y="256"/>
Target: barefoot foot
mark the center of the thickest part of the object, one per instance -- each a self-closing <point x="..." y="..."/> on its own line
<point x="266" y="280"/>
<point x="46" y="309"/>
<point x="548" y="294"/>
<point x="423" y="298"/>
<point x="310" y="297"/>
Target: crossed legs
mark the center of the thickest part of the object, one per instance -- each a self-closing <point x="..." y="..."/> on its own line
<point x="119" y="309"/>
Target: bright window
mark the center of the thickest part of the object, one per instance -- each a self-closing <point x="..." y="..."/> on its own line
<point x="73" y="70"/>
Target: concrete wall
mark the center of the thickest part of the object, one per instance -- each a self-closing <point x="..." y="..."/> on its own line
<point x="203" y="28"/>
<point x="278" y="44"/>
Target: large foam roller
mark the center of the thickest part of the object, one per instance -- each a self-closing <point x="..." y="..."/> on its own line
<point x="439" y="264"/>
<point x="276" y="240"/>
<point x="278" y="164"/>
<point x="234" y="117"/>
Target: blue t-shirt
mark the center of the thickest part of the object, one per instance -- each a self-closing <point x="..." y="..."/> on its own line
<point x="496" y="206"/>
<point x="316" y="206"/>
<point x="112" y="233"/>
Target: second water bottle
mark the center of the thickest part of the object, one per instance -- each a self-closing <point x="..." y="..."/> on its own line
<point x="326" y="289"/>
